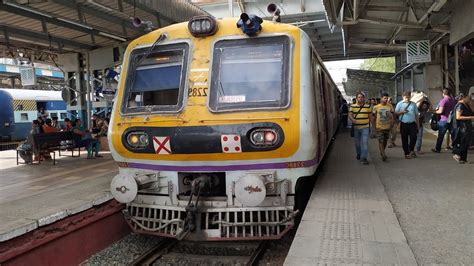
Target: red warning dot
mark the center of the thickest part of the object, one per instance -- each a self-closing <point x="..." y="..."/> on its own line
<point x="224" y="138"/>
<point x="237" y="149"/>
<point x="236" y="138"/>
<point x="226" y="148"/>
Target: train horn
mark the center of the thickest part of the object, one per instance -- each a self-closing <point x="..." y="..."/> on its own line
<point x="275" y="11"/>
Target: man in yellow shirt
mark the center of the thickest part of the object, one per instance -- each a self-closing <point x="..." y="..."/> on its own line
<point x="383" y="116"/>
<point x="360" y="114"/>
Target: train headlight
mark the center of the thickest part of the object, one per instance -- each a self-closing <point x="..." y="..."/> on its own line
<point x="133" y="140"/>
<point x="263" y="136"/>
<point x="138" y="139"/>
<point x="7" y="124"/>
<point x="143" y="139"/>
<point x="201" y="26"/>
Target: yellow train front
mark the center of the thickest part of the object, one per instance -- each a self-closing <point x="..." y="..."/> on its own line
<point x="212" y="127"/>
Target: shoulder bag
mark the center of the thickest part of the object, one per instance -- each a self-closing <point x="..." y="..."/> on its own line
<point x="352" y="127"/>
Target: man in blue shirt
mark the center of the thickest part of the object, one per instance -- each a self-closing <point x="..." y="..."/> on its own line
<point x="407" y="113"/>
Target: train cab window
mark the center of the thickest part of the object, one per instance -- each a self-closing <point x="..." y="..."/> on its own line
<point x="63" y="116"/>
<point x="250" y="74"/>
<point x="156" y="79"/>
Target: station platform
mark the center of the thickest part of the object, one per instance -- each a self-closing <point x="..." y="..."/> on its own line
<point x="387" y="212"/>
<point x="32" y="196"/>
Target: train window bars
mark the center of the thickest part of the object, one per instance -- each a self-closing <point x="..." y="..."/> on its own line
<point x="156" y="83"/>
<point x="250" y="74"/>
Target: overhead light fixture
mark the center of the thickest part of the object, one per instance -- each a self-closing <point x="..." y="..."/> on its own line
<point x="118" y="38"/>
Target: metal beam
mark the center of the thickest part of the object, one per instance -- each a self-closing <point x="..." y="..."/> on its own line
<point x="403" y="16"/>
<point x="377" y="46"/>
<point x="150" y="11"/>
<point x="356" y="9"/>
<point x="42" y="36"/>
<point x="120" y="6"/>
<point x="19" y="42"/>
<point x="385" y="8"/>
<point x="38" y="15"/>
<point x="392" y="22"/>
<point x="93" y="12"/>
<point x="435" y="7"/>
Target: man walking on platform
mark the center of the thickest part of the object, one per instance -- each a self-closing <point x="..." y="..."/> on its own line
<point x="445" y="106"/>
<point x="360" y="114"/>
<point x="383" y="116"/>
<point x="407" y="112"/>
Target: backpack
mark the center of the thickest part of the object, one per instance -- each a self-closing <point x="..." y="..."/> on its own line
<point x="450" y="122"/>
<point x="434" y="122"/>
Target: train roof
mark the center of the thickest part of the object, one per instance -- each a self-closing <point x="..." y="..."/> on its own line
<point x="37" y="95"/>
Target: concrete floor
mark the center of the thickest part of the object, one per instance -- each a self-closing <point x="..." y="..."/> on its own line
<point x="35" y="195"/>
<point x="433" y="198"/>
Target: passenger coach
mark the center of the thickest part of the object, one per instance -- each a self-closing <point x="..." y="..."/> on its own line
<point x="215" y="125"/>
<point x="20" y="107"/>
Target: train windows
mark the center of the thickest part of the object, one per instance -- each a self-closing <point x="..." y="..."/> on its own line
<point x="155" y="81"/>
<point x="250" y="74"/>
<point x="63" y="116"/>
<point x="24" y="117"/>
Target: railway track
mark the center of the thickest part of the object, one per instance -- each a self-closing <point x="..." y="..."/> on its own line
<point x="173" y="252"/>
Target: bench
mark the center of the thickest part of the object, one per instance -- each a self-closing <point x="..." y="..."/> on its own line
<point x="52" y="142"/>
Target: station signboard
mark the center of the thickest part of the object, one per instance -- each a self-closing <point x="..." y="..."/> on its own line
<point x="28" y="76"/>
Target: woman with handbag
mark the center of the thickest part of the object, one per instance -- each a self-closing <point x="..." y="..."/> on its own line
<point x="462" y="126"/>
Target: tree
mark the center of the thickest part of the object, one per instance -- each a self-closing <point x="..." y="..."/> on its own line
<point x="382" y="64"/>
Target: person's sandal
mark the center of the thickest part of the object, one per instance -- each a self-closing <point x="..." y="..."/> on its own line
<point x="407" y="157"/>
<point x="457" y="158"/>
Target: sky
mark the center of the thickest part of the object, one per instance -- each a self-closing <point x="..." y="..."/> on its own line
<point x="337" y="70"/>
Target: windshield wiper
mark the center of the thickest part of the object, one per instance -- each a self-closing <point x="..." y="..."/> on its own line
<point x="161" y="38"/>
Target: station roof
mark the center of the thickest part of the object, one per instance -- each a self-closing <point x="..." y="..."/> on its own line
<point x="383" y="27"/>
<point x="339" y="29"/>
<point x="59" y="26"/>
<point x="343" y="29"/>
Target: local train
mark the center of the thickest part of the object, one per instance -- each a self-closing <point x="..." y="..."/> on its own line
<point x="20" y="107"/>
<point x="216" y="124"/>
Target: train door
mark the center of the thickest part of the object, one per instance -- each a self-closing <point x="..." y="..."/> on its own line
<point x="324" y="102"/>
<point x="320" y="109"/>
<point x="317" y="106"/>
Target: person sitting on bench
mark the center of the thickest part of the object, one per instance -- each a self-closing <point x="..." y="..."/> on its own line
<point x="83" y="138"/>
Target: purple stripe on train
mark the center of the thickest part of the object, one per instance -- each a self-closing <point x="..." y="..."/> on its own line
<point x="284" y="165"/>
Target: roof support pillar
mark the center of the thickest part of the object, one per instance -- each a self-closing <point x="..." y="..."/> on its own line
<point x="356" y="9"/>
<point x="456" y="68"/>
<point x="88" y="90"/>
<point x="446" y="70"/>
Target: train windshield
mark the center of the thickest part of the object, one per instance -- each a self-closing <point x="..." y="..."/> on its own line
<point x="250" y="74"/>
<point x="156" y="79"/>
